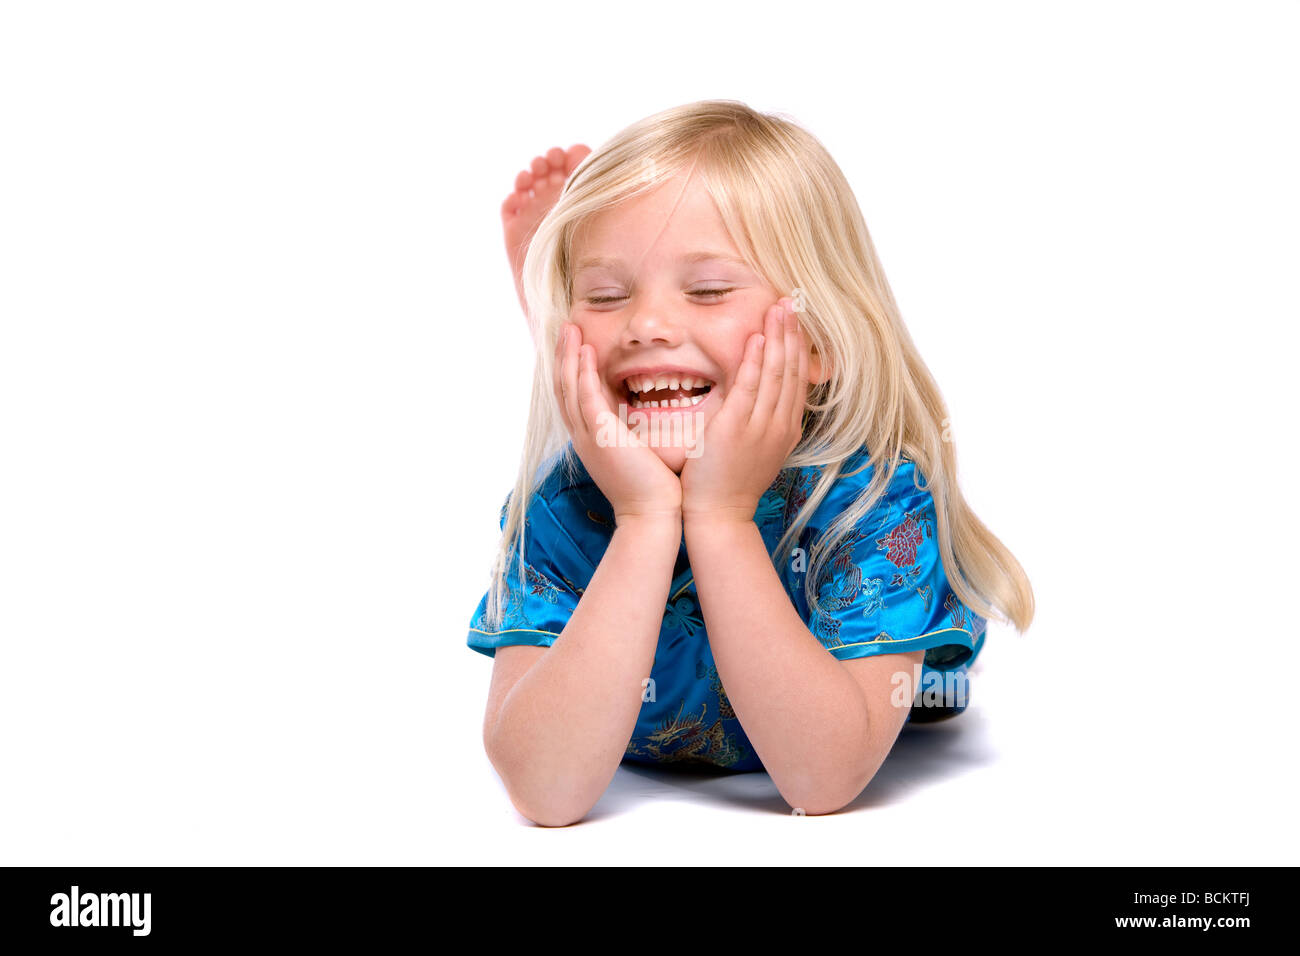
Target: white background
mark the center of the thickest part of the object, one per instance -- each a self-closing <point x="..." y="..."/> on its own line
<point x="263" y="382"/>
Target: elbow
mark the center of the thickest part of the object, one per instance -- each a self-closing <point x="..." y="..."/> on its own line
<point x="818" y="804"/>
<point x="543" y="798"/>
<point x="821" y="795"/>
<point x="548" y="814"/>
<point x="546" y="802"/>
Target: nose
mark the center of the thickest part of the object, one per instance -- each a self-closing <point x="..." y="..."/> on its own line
<point x="653" y="318"/>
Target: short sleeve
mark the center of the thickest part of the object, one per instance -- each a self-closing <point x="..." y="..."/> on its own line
<point x="536" y="612"/>
<point x="884" y="589"/>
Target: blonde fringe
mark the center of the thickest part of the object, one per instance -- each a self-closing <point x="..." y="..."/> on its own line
<point x="789" y="209"/>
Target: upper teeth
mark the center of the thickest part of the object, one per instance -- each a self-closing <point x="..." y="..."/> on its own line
<point x="644" y="383"/>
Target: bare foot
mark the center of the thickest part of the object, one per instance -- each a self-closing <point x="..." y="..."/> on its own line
<point x="536" y="190"/>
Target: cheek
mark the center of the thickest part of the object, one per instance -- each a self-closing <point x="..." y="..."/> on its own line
<point x="590" y="335"/>
<point x="741" y="330"/>
<point x="735" y="359"/>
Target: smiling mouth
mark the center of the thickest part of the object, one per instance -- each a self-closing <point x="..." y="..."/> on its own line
<point x="665" y="392"/>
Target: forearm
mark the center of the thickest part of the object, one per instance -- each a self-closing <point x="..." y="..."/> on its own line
<point x="564" y="727"/>
<point x="800" y="707"/>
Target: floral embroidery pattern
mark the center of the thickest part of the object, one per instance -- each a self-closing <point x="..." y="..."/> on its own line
<point x="925" y="596"/>
<point x="900" y="544"/>
<point x="792" y="487"/>
<point x="963" y="617"/>
<point x="905" y="578"/>
<point x="839" y="586"/>
<point x="681" y="616"/>
<point x="541" y="585"/>
<point x="900" y="547"/>
<point x="846" y="584"/>
<point x="512" y="613"/>
<point x="512" y="610"/>
<point x="956" y="611"/>
<point x="923" y="518"/>
<point x="874" y="591"/>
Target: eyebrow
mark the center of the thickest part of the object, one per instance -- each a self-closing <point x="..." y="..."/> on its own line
<point x="705" y="255"/>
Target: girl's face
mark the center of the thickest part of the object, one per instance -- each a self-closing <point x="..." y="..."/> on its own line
<point x="661" y="292"/>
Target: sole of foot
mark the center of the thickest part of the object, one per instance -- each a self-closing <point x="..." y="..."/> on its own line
<point x="536" y="190"/>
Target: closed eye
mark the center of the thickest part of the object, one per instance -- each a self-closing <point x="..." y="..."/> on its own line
<point x="706" y="293"/>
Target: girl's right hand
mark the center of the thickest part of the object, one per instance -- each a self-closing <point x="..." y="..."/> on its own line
<point x="629" y="473"/>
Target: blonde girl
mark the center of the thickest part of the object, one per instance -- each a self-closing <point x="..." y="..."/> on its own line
<point x="736" y="538"/>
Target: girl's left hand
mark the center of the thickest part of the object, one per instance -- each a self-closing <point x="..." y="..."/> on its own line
<point x="745" y="445"/>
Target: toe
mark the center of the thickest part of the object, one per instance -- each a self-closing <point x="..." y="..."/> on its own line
<point x="556" y="158"/>
<point x="524" y="181"/>
<point x="576" y="155"/>
<point x="540" y="166"/>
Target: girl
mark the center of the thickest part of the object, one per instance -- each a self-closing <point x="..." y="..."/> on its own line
<point x="736" y="537"/>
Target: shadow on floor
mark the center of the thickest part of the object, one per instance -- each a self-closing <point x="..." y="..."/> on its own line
<point x="922" y="754"/>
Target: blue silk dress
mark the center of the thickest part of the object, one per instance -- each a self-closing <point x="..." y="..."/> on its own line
<point x="883" y="591"/>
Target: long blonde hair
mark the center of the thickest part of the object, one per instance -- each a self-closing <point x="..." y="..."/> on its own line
<point x="792" y="215"/>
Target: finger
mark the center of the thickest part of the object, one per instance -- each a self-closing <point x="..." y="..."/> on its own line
<point x="595" y="404"/>
<point x="740" y="403"/>
<point x="591" y="401"/>
<point x="801" y="395"/>
<point x="790" y="381"/>
<point x="570" y="382"/>
<point x="773" y="368"/>
<point x="557" y="377"/>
